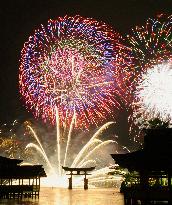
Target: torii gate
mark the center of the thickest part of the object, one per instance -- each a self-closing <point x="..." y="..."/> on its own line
<point x="78" y="171"/>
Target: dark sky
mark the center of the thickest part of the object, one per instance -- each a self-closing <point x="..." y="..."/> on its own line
<point x="19" y="19"/>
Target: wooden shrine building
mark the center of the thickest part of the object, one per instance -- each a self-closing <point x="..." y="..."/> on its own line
<point x="17" y="181"/>
<point x="78" y="171"/>
<point x="153" y="164"/>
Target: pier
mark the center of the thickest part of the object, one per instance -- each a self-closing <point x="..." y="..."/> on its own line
<point x="18" y="181"/>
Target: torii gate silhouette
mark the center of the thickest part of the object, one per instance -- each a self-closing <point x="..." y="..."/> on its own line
<point x="78" y="171"/>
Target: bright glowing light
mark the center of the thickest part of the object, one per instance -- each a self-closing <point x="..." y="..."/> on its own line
<point x="154" y="93"/>
<point x="54" y="180"/>
<point x="86" y="157"/>
<point x="74" y="65"/>
<point x="74" y="72"/>
<point x="151" y="46"/>
<point x="152" y="42"/>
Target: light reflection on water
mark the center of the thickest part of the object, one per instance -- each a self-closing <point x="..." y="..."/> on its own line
<point x="60" y="196"/>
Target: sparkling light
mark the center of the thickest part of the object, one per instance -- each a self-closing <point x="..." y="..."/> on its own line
<point x="74" y="65"/>
<point x="86" y="157"/>
<point x="152" y="42"/>
<point x="154" y="93"/>
<point x="151" y="46"/>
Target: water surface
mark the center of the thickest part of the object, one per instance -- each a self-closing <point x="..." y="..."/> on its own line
<point x="61" y="196"/>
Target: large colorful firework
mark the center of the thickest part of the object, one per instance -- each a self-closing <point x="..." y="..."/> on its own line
<point x="74" y="66"/>
<point x="152" y="42"/>
<point x="151" y="45"/>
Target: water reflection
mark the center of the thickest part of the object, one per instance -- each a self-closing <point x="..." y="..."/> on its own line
<point x="59" y="196"/>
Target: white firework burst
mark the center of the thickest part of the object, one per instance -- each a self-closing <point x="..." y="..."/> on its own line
<point x="154" y="93"/>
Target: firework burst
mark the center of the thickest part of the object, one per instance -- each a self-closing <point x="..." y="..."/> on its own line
<point x="154" y="95"/>
<point x="77" y="67"/>
<point x="152" y="43"/>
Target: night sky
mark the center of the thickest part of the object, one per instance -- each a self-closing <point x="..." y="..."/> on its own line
<point x="19" y="19"/>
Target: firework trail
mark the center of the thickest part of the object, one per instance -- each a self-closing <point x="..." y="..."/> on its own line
<point x="95" y="149"/>
<point x="84" y="158"/>
<point x="74" y="72"/>
<point x="92" y="141"/>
